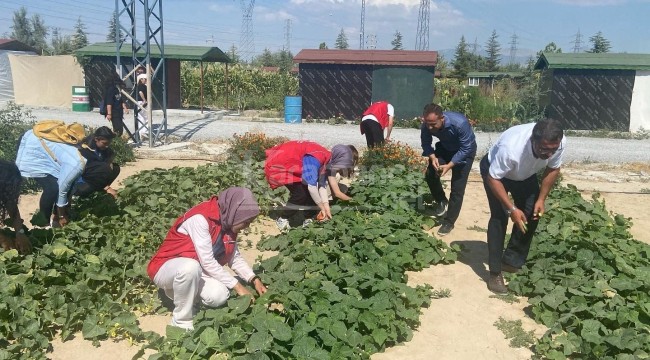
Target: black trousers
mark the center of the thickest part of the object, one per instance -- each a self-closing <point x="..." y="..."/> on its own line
<point x="118" y="124"/>
<point x="373" y="131"/>
<point x="459" y="176"/>
<point x="300" y="205"/>
<point x="524" y="193"/>
<point x="49" y="196"/>
<point x="85" y="189"/>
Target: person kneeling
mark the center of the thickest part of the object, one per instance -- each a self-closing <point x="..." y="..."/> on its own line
<point x="201" y="242"/>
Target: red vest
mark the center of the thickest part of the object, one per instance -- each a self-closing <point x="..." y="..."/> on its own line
<point x="283" y="164"/>
<point x="177" y="244"/>
<point x="380" y="110"/>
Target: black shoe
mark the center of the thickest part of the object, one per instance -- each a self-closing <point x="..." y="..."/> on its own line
<point x="440" y="209"/>
<point x="445" y="229"/>
<point x="496" y="284"/>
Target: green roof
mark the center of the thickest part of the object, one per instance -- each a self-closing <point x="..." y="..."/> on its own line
<point x="174" y="52"/>
<point x="493" y="74"/>
<point x="600" y="61"/>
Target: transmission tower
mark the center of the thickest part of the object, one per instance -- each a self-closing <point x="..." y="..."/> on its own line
<point x="246" y="43"/>
<point x="372" y="41"/>
<point x="362" y="30"/>
<point x="577" y="44"/>
<point x="513" y="48"/>
<point x="141" y="47"/>
<point x="287" y="35"/>
<point x="422" y="36"/>
<point x="475" y="46"/>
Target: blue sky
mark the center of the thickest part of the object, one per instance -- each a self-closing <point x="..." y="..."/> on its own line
<point x="218" y="22"/>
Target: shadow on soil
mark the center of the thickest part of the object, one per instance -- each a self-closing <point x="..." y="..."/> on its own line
<point x="474" y="253"/>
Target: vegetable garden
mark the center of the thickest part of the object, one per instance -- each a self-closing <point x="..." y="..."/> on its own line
<point x="337" y="290"/>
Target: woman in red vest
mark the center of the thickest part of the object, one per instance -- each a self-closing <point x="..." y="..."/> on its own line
<point x="192" y="257"/>
<point x="379" y="116"/>
<point x="305" y="168"/>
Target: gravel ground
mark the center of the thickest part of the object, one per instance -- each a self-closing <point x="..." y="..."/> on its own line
<point x="189" y="125"/>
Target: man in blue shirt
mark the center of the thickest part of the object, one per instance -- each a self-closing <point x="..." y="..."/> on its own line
<point x="455" y="150"/>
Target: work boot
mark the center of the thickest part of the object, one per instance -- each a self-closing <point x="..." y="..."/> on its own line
<point x="445" y="229"/>
<point x="496" y="284"/>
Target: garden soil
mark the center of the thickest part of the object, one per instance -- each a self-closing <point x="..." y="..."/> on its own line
<point x="458" y="327"/>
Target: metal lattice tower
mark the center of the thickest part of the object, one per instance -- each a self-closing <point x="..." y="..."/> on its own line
<point x="362" y="30"/>
<point x="372" y="41"/>
<point x="422" y="36"/>
<point x="287" y="35"/>
<point x="142" y="46"/>
<point x="513" y="48"/>
<point x="577" y="44"/>
<point x="246" y="40"/>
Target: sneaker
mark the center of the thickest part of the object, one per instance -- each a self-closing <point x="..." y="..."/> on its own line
<point x="283" y="224"/>
<point x="440" y="209"/>
<point x="445" y="229"/>
<point x="307" y="222"/>
<point x="496" y="284"/>
<point x="509" y="268"/>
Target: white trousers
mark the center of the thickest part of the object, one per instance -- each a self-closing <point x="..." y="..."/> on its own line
<point x="142" y="121"/>
<point x="182" y="279"/>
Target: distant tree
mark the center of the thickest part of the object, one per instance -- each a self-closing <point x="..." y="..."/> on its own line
<point x="461" y="59"/>
<point x="442" y="65"/>
<point x="264" y="59"/>
<point x="79" y="39"/>
<point x="493" y="49"/>
<point x="322" y="46"/>
<point x="599" y="44"/>
<point x="476" y="62"/>
<point x="341" y="41"/>
<point x="21" y="28"/>
<point x="32" y="32"/>
<point x="549" y="48"/>
<point x="61" y="45"/>
<point x="112" y="27"/>
<point x="397" y="41"/>
<point x="233" y="55"/>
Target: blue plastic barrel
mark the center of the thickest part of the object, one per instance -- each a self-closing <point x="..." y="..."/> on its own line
<point x="293" y="109"/>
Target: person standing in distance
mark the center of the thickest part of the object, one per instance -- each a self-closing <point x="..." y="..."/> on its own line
<point x="511" y="166"/>
<point x="455" y="151"/>
<point x="379" y="116"/>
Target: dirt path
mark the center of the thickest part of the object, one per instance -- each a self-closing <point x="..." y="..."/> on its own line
<point x="459" y="327"/>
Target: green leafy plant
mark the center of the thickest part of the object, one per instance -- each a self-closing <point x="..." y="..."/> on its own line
<point x="14" y="121"/>
<point x="390" y="154"/>
<point x="252" y="146"/>
<point x="513" y="330"/>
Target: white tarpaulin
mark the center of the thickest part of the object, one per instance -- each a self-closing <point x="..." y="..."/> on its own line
<point x="45" y="80"/>
<point x="640" y="106"/>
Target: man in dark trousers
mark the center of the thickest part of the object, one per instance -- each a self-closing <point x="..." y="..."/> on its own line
<point x="455" y="151"/>
<point x="379" y="116"/>
<point x="511" y="166"/>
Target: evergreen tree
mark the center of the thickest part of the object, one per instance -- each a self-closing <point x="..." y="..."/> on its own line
<point x="233" y="55"/>
<point x="550" y="48"/>
<point x="61" y="45"/>
<point x="461" y="59"/>
<point x="493" y="49"/>
<point x="32" y="32"/>
<point x="266" y="58"/>
<point x="341" y="41"/>
<point x="112" y="26"/>
<point x="599" y="44"/>
<point x="322" y="46"/>
<point x="397" y="41"/>
<point x="21" y="29"/>
<point x="79" y="39"/>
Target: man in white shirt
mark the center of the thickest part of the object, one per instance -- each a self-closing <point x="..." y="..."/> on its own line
<point x="511" y="166"/>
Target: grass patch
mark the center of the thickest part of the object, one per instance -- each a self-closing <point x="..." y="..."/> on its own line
<point x="513" y="330"/>
<point x="510" y="298"/>
<point x="442" y="293"/>
<point x="477" y="228"/>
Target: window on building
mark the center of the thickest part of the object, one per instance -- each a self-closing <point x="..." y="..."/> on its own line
<point x="473" y="81"/>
